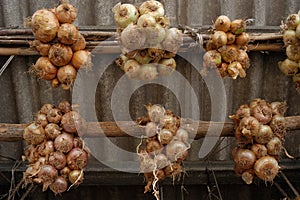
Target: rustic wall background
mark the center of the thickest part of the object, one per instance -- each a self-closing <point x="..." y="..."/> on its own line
<point x="22" y="94"/>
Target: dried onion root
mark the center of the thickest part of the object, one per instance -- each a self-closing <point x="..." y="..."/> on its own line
<point x="226" y="49"/>
<point x="259" y="129"/>
<point x="148" y="44"/>
<point x="166" y="147"/>
<point x="56" y="158"/>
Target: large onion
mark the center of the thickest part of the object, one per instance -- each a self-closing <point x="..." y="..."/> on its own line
<point x="266" y="168"/>
<point x="66" y="13"/>
<point x="222" y="23"/>
<point x="244" y="159"/>
<point x="67" y="33"/>
<point x="176" y="151"/>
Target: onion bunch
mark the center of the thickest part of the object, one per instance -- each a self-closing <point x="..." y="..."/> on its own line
<point x="291" y="37"/>
<point x="166" y="146"/>
<point x="60" y="44"/>
<point x="226" y="48"/>
<point x="259" y="131"/>
<point x="148" y="44"/>
<point x="56" y="154"/>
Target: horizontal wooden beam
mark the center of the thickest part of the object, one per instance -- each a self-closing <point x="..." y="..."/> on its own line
<point x="197" y="129"/>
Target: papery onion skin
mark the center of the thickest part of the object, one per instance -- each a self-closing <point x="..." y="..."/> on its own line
<point x="142" y="56"/>
<point x="238" y="26"/>
<point x="212" y="59"/>
<point x="52" y="130"/>
<point x="59" y="186"/>
<point x="133" y="37"/>
<point x="293" y="52"/>
<point x="46" y="108"/>
<point x="262" y="112"/>
<point x="176" y="151"/>
<point x="222" y="23"/>
<point x="274" y="146"/>
<point x="288" y="67"/>
<point x="146" y="20"/>
<point x="76" y="176"/>
<point x="148" y="72"/>
<point x="77" y="158"/>
<point x="161" y="161"/>
<point x="242" y="39"/>
<point x="229" y="53"/>
<point x="151" y="129"/>
<point x="243" y="59"/>
<point x="58" y="160"/>
<point x="249" y="126"/>
<point x="289" y="37"/>
<point x="54" y="115"/>
<point x="154" y="8"/>
<point x="34" y="134"/>
<point x="125" y="14"/>
<point x="165" y="136"/>
<point x="47" y="175"/>
<point x="292" y="21"/>
<point x="44" y="69"/>
<point x="42" y="48"/>
<point x="132" y="68"/>
<point x="80" y="44"/>
<point x="166" y="66"/>
<point x="71" y="121"/>
<point x="67" y="34"/>
<point x="41" y="119"/>
<point x="259" y="150"/>
<point x="266" y="168"/>
<point x="66" y="13"/>
<point x="230" y="38"/>
<point x="173" y="40"/>
<point x="155" y="112"/>
<point x="65" y="106"/>
<point x="60" y="54"/>
<point x="82" y="59"/>
<point x="264" y="135"/>
<point x="244" y="159"/>
<point x="64" y="142"/>
<point x="219" y="38"/>
<point x="154" y="147"/>
<point x="67" y="75"/>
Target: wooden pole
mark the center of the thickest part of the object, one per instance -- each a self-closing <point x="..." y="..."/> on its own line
<point x="197" y="129"/>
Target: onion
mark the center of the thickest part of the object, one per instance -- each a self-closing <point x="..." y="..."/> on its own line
<point x="173" y="170"/>
<point x="212" y="59"/>
<point x="170" y="121"/>
<point x="163" y="21"/>
<point x="292" y="21"/>
<point x="219" y="38"/>
<point x="176" y="151"/>
<point x="278" y="108"/>
<point x="77" y="158"/>
<point x="60" y="185"/>
<point x="142" y="56"/>
<point x="133" y="37"/>
<point x="125" y="14"/>
<point x="34" y="134"/>
<point x="66" y="13"/>
<point x="76" y="177"/>
<point x="244" y="159"/>
<point x="293" y="52"/>
<point x="65" y="106"/>
<point x="146" y="20"/>
<point x="121" y="61"/>
<point x="243" y="111"/>
<point x="151" y="129"/>
<point x="55" y="83"/>
<point x="52" y="130"/>
<point x="288" y="67"/>
<point x="155" y="112"/>
<point x="46" y="108"/>
<point x="222" y="70"/>
<point x="132" y="68"/>
<point x="235" y="69"/>
<point x="31" y="153"/>
<point x="155" y="35"/>
<point x="266" y="168"/>
<point x="182" y="135"/>
<point x="289" y="37"/>
<point x="57" y="160"/>
<point x="242" y="39"/>
<point x="264" y="134"/>
<point x="67" y="75"/>
<point x="148" y="72"/>
<point x="77" y="142"/>
<point x="247" y="176"/>
<point x="259" y="150"/>
<point x="238" y="26"/>
<point x="230" y="38"/>
<point x="64" y="142"/>
<point x="278" y="125"/>
<point x="243" y="59"/>
<point x="161" y="161"/>
<point x="147" y="165"/>
<point x="54" y="115"/>
<point x="166" y="66"/>
<point x="67" y="33"/>
<point x="210" y="45"/>
<point x="60" y="54"/>
<point x="173" y="40"/>
<point x="249" y="126"/>
<point x="156" y="52"/>
<point x="64" y="172"/>
<point x="229" y="53"/>
<point x="71" y="120"/>
<point x="47" y="175"/>
<point x="44" y="69"/>
<point x="41" y="119"/>
<point x="222" y="23"/>
<point x="82" y="60"/>
<point x="262" y="112"/>
<point x="242" y="139"/>
<point x="42" y="48"/>
<point x="80" y="43"/>
<point x="154" y="8"/>
<point x="45" y="148"/>
<point x="154" y="147"/>
<point x="44" y="25"/>
<point x="274" y="146"/>
<point x="164" y="136"/>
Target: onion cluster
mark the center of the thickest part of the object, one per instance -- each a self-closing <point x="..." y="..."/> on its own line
<point x="55" y="153"/>
<point x="148" y="44"/>
<point x="226" y="48"/>
<point x="291" y="38"/>
<point x="166" y="146"/>
<point x="60" y="44"/>
<point x="259" y="130"/>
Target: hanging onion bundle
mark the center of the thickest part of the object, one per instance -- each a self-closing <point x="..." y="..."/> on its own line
<point x="54" y="154"/>
<point x="260" y="130"/>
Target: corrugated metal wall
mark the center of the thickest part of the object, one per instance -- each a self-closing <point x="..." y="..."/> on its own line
<point x="22" y="95"/>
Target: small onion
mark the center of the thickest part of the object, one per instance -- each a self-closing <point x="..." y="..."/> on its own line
<point x="151" y="129"/>
<point x="42" y="48"/>
<point x="219" y="38"/>
<point x="44" y="25"/>
<point x="293" y="52"/>
<point x="247" y="176"/>
<point x="235" y="69"/>
<point x="288" y="67"/>
<point x="60" y="54"/>
<point x="274" y="146"/>
<point x="238" y="26"/>
<point x="243" y="59"/>
<point x="176" y="151"/>
<point x="82" y="59"/>
<point x="210" y="45"/>
<point x="264" y="135"/>
<point x="292" y="21"/>
<point x="289" y="37"/>
<point x="66" y="13"/>
<point x="244" y="159"/>
<point x="278" y="108"/>
<point x="132" y="68"/>
<point x="212" y="59"/>
<point x="148" y="72"/>
<point x="154" y="8"/>
<point x="44" y="69"/>
<point x="46" y="148"/>
<point x="125" y="14"/>
<point x="147" y="165"/>
<point x="41" y="119"/>
<point x="52" y="130"/>
<point x="65" y="106"/>
<point x="54" y="115"/>
<point x="173" y="40"/>
<point x="121" y="61"/>
<point x="47" y="175"/>
<point x="154" y="147"/>
<point x="55" y="83"/>
<point x="165" y="136"/>
<point x="242" y="39"/>
<point x="58" y="160"/>
<point x="266" y="168"/>
<point x="59" y="186"/>
<point x="46" y="108"/>
<point x="262" y="112"/>
<point x="80" y="44"/>
<point x="156" y="52"/>
<point x="133" y="37"/>
<point x="146" y="20"/>
<point x="64" y="172"/>
<point x="170" y="121"/>
<point x="34" y="134"/>
<point x="155" y="112"/>
<point x="230" y="38"/>
<point x="155" y="35"/>
<point x="163" y="21"/>
<point x="160" y="174"/>
<point x="77" y="158"/>
<point x="71" y="121"/>
<point x="222" y="70"/>
<point x="229" y="53"/>
<point x="166" y="66"/>
<point x="222" y="23"/>
<point x="142" y="56"/>
<point x="161" y="161"/>
<point x="182" y="135"/>
<point x="76" y="177"/>
<point x="259" y="150"/>
<point x="77" y="142"/>
<point x="67" y="33"/>
<point x="67" y="75"/>
<point x="64" y="142"/>
<point x="249" y="126"/>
